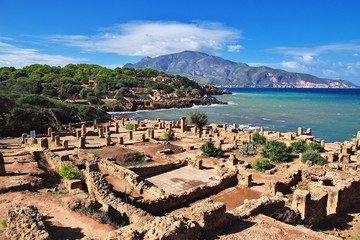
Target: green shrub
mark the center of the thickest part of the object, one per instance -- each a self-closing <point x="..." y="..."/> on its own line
<point x="261" y="165"/>
<point x="168" y="135"/>
<point x="298" y="147"/>
<point x="276" y="151"/>
<point x="129" y="126"/>
<point x="198" y="118"/>
<point x="4" y="222"/>
<point x="68" y="171"/>
<point x="180" y="93"/>
<point x="316" y="147"/>
<point x="144" y="96"/>
<point x="314" y="157"/>
<point x="94" y="100"/>
<point x="210" y="150"/>
<point x="258" y="139"/>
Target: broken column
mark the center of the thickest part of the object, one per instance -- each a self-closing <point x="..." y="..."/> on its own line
<point x="44" y="143"/>
<point x="70" y="127"/>
<point x="300" y="131"/>
<point x="66" y="144"/>
<point x="108" y="139"/>
<point x="323" y="143"/>
<point x="308" y="131"/>
<point x="78" y="134"/>
<point x="52" y="136"/>
<point x="244" y="179"/>
<point x="57" y="140"/>
<point x="143" y="137"/>
<point x="23" y="137"/>
<point x="301" y="203"/>
<point x="183" y="124"/>
<point x="130" y="135"/>
<point x="82" y="142"/>
<point x="234" y="126"/>
<point x="2" y="165"/>
<point x="136" y="127"/>
<point x="101" y="131"/>
<point x="49" y="131"/>
<point x="262" y="131"/>
<point x="83" y="129"/>
<point x="121" y="140"/>
<point x="117" y="127"/>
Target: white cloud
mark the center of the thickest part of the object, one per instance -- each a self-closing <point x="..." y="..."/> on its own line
<point x="355" y="54"/>
<point x="11" y="55"/>
<point x="235" y="48"/>
<point x="156" y="38"/>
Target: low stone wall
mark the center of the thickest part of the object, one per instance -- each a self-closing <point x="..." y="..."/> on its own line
<point x="101" y="191"/>
<point x="139" y="184"/>
<point x="25" y="223"/>
<point x="285" y="186"/>
<point x="154" y="169"/>
<point x="263" y="205"/>
<point x="170" y="201"/>
<point x="52" y="159"/>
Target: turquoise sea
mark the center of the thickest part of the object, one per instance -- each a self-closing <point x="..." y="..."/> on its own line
<point x="333" y="114"/>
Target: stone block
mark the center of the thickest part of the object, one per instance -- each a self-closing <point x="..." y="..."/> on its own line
<point x="209" y="215"/>
<point x="73" y="184"/>
<point x="301" y="203"/>
<point x="2" y="165"/>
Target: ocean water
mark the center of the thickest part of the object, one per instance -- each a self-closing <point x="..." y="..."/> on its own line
<point x="332" y="114"/>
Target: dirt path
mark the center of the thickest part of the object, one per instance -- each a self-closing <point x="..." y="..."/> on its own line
<point x="61" y="222"/>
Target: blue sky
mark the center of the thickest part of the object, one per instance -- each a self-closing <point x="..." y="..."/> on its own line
<point x="317" y="37"/>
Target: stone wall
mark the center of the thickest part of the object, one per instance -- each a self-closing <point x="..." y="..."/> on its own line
<point x="139" y="184"/>
<point x="170" y="201"/>
<point x="154" y="169"/>
<point x="25" y="223"/>
<point x="284" y="186"/>
<point x="99" y="188"/>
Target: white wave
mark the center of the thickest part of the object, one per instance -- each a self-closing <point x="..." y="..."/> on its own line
<point x="266" y="119"/>
<point x="235" y="93"/>
<point x="232" y="103"/>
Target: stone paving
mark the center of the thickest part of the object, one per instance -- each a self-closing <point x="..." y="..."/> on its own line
<point x="182" y="179"/>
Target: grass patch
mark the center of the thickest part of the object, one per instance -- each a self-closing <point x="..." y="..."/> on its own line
<point x="129" y="126"/>
<point x="140" y="161"/>
<point x="58" y="192"/>
<point x="4" y="222"/>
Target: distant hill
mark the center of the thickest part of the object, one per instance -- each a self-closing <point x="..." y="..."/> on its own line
<point x="212" y="70"/>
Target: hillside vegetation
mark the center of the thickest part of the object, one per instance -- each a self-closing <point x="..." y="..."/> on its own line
<point x="41" y="93"/>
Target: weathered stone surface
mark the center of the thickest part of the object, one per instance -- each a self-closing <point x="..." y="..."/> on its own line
<point x="209" y="215"/>
<point x="25" y="224"/>
<point x="2" y="165"/>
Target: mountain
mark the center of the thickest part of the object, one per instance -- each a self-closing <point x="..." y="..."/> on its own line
<point x="212" y="70"/>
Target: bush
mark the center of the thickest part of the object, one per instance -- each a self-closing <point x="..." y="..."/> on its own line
<point x="246" y="148"/>
<point x="276" y="151"/>
<point x="314" y="157"/>
<point x="210" y="150"/>
<point x="316" y="147"/>
<point x="94" y="100"/>
<point x="199" y="119"/>
<point x="258" y="139"/>
<point x="180" y="93"/>
<point x="68" y="171"/>
<point x="298" y="147"/>
<point x="168" y="135"/>
<point x="129" y="126"/>
<point x="262" y="165"/>
<point x="144" y="97"/>
<point x="4" y="222"/>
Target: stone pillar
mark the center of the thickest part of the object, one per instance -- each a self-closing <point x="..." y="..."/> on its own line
<point x="57" y="140"/>
<point x="2" y="165"/>
<point x="198" y="163"/>
<point x="107" y="128"/>
<point x="49" y="131"/>
<point x="244" y="179"/>
<point x="136" y="127"/>
<point x="301" y="203"/>
<point x="278" y="135"/>
<point x="78" y="134"/>
<point x="152" y="134"/>
<point x="123" y="122"/>
<point x="82" y="142"/>
<point x="249" y="138"/>
<point x="322" y="143"/>
<point x="143" y="137"/>
<point x="83" y="129"/>
<point x="53" y="136"/>
<point x="117" y="127"/>
<point x="358" y="135"/>
<point x="183" y="124"/>
<point x="96" y="122"/>
<point x="66" y="144"/>
<point x="235" y="144"/>
<point x="224" y="126"/>
<point x="158" y="120"/>
<point x="101" y="131"/>
<point x="308" y="131"/>
<point x="232" y="159"/>
<point x="95" y="127"/>
<point x="110" y="123"/>
<point x="300" y="131"/>
<point x="23" y="137"/>
<point x="290" y="137"/>
<point x="262" y="131"/>
<point x="234" y="126"/>
<point x="346" y="158"/>
<point x="44" y="143"/>
<point x="121" y="140"/>
<point x="70" y="128"/>
<point x="130" y="135"/>
<point x="108" y="139"/>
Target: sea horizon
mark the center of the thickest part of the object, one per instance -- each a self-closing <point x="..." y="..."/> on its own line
<point x="332" y="114"/>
